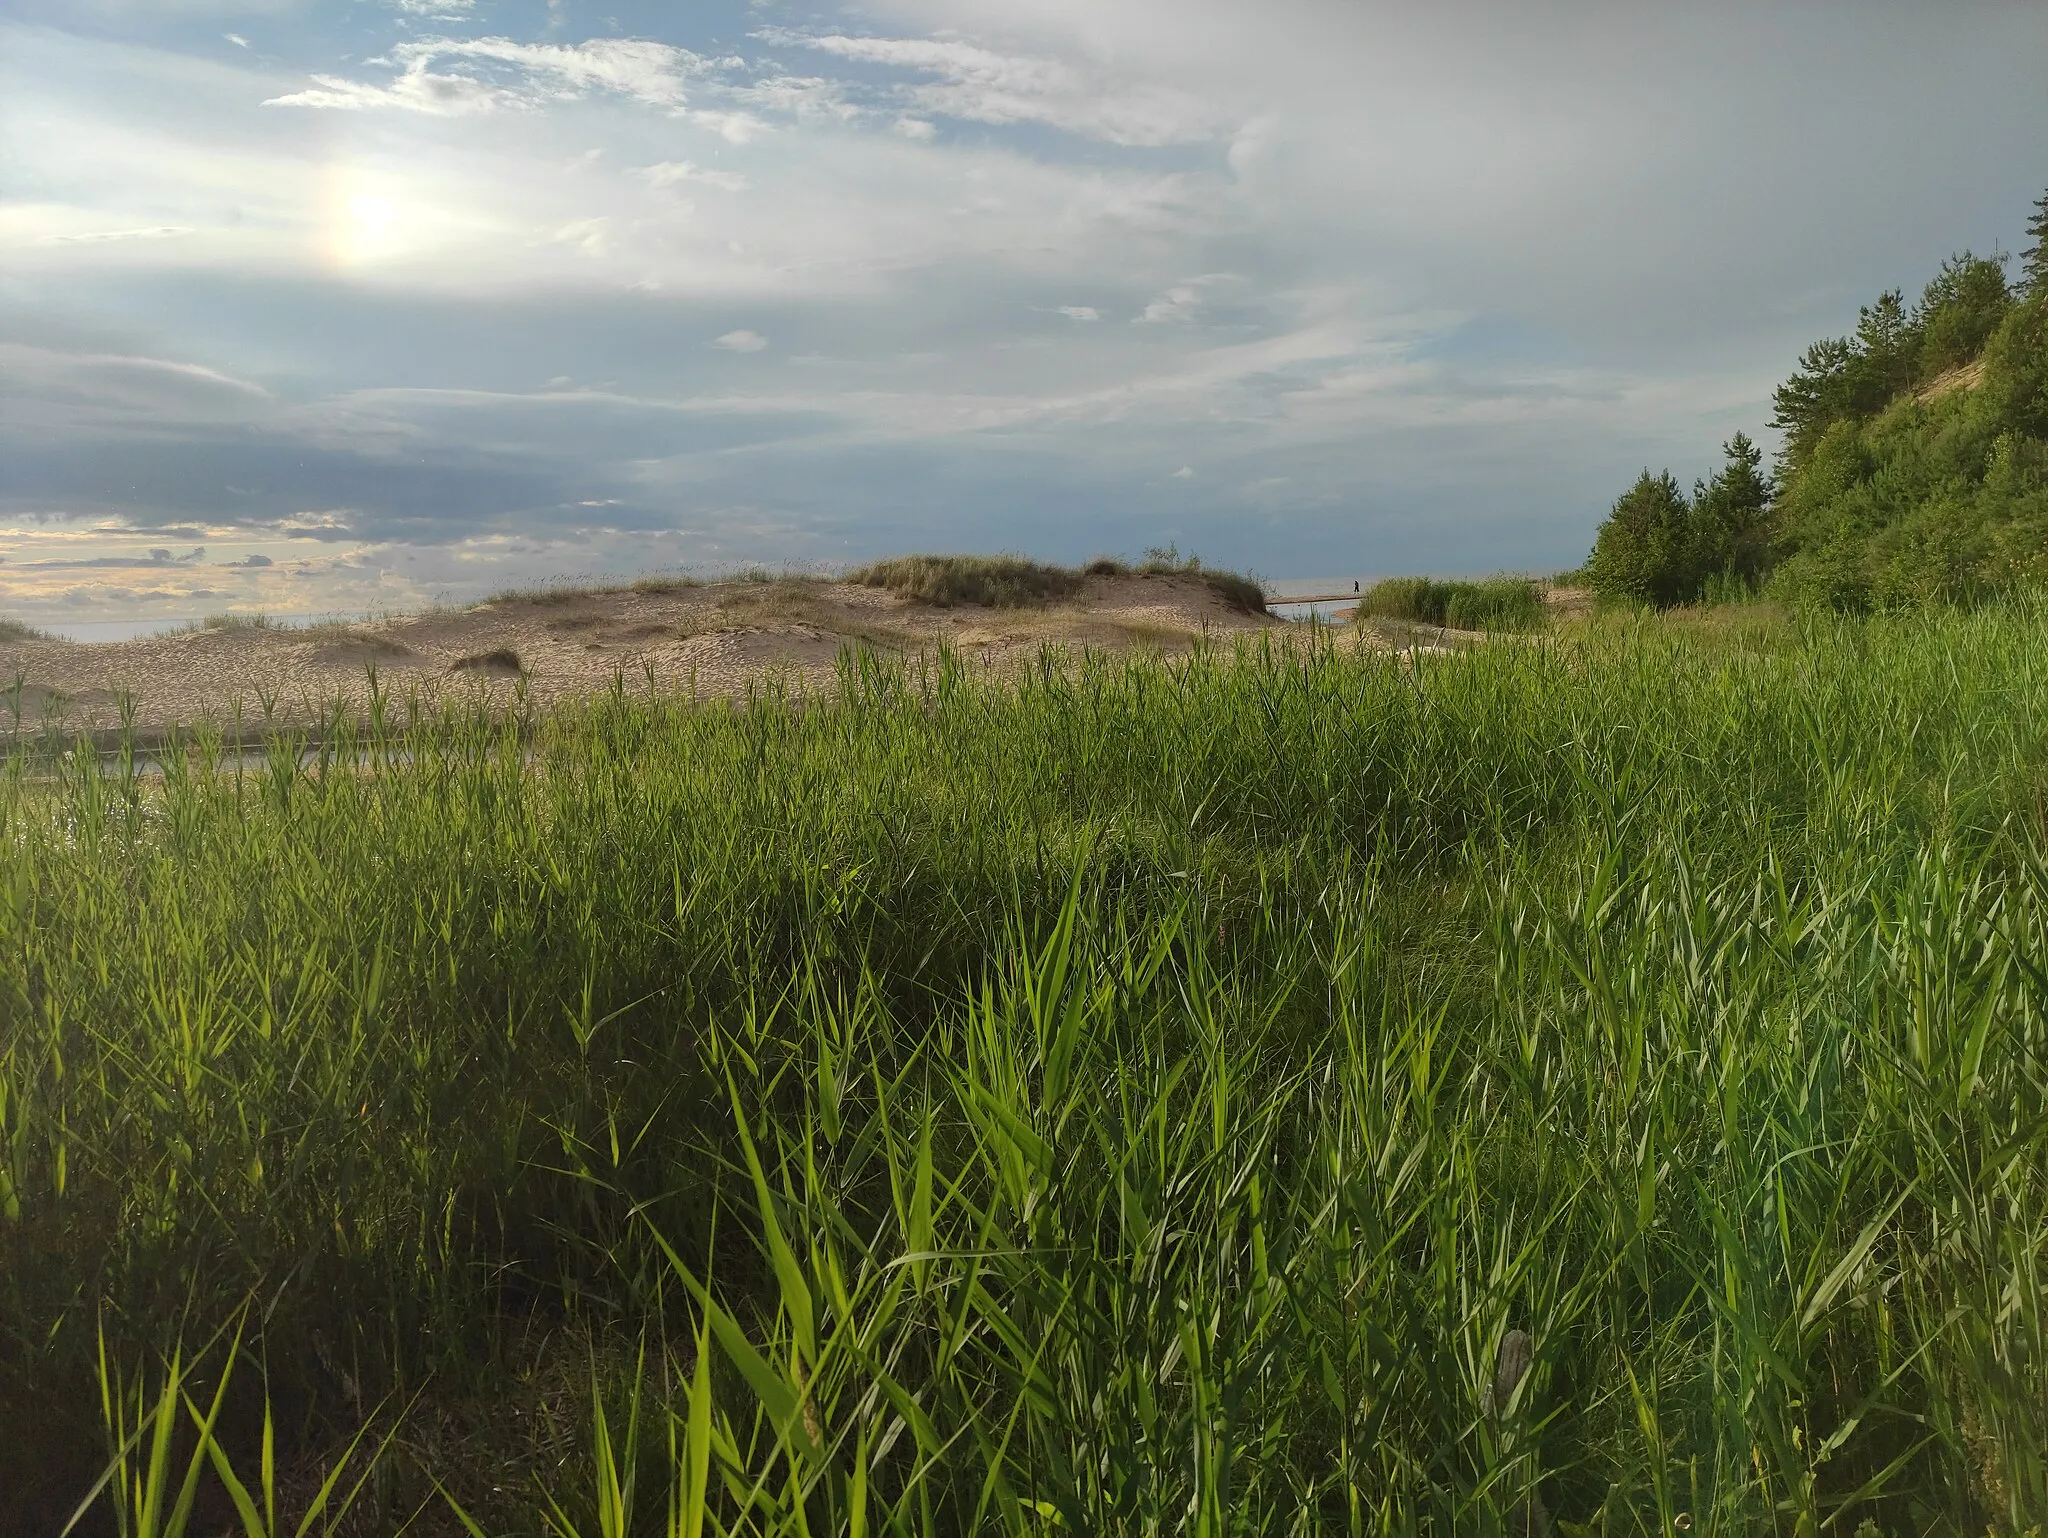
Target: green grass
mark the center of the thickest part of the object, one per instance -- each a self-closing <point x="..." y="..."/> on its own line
<point x="15" y="630"/>
<point x="659" y="584"/>
<point x="237" y="620"/>
<point x="983" y="581"/>
<point x="1141" y="1100"/>
<point x="1498" y="603"/>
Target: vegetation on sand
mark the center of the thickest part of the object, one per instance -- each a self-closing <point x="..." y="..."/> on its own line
<point x="1498" y="603"/>
<point x="985" y="581"/>
<point x="1012" y="582"/>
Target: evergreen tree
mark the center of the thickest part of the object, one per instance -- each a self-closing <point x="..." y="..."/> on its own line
<point x="2034" y="260"/>
<point x="1887" y="346"/>
<point x="1731" y="518"/>
<point x="1819" y="393"/>
<point x="1959" y="311"/>
<point x="1644" y="548"/>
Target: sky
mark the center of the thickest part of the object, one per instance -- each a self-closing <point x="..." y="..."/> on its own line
<point x="344" y="306"/>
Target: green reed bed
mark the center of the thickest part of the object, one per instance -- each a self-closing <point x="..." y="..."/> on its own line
<point x="1140" y="1100"/>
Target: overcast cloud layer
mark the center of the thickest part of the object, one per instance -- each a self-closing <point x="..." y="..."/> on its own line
<point x="352" y="304"/>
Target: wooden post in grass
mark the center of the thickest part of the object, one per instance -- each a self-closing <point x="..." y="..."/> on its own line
<point x="1530" y="1518"/>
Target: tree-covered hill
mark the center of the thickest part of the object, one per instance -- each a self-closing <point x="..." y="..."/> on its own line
<point x="1914" y="465"/>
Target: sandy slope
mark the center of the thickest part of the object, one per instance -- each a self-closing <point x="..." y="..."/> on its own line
<point x="717" y="638"/>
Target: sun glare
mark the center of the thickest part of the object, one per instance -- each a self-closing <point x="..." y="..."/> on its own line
<point x="368" y="220"/>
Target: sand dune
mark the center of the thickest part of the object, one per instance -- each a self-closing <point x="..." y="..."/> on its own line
<point x="716" y="638"/>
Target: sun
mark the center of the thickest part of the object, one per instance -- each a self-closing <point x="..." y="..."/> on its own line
<point x="367" y="220"/>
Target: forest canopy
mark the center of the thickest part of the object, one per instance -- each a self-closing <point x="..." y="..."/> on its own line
<point x="1913" y="467"/>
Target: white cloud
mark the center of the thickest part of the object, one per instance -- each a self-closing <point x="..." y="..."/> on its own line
<point x="733" y="127"/>
<point x="800" y="96"/>
<point x="1184" y="473"/>
<point x="1176" y="306"/>
<point x="742" y="341"/>
<point x="1080" y="312"/>
<point x="480" y="74"/>
<point x="236" y="38"/>
<point x="986" y="86"/>
<point x="667" y="173"/>
<point x="417" y="90"/>
<point x="99" y="237"/>
<point x="590" y="236"/>
<point x="916" y="128"/>
<point x="112" y="382"/>
<point x="1181" y="303"/>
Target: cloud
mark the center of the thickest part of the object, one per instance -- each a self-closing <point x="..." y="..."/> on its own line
<point x="1691" y="200"/>
<point x="1184" y="473"/>
<point x="417" y="90"/>
<point x="1181" y="303"/>
<point x="1176" y="306"/>
<point x="486" y="73"/>
<point x="742" y="341"/>
<point x="236" y="38"/>
<point x="799" y="96"/>
<point x="593" y="237"/>
<point x="733" y="127"/>
<point x="102" y="237"/>
<point x="667" y="173"/>
<point x="984" y="85"/>
<point x="128" y="386"/>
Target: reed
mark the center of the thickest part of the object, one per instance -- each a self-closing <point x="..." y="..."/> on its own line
<point x="1283" y="1090"/>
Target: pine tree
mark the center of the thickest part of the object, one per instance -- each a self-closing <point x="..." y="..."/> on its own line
<point x="1819" y="393"/>
<point x="1730" y="517"/>
<point x="2034" y="260"/>
<point x="1644" y="548"/>
<point x="1887" y="347"/>
<point x="1960" y="309"/>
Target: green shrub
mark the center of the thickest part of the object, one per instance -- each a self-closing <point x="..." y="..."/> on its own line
<point x="1419" y="600"/>
<point x="1011" y="582"/>
<point x="1499" y="603"/>
<point x="979" y="581"/>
